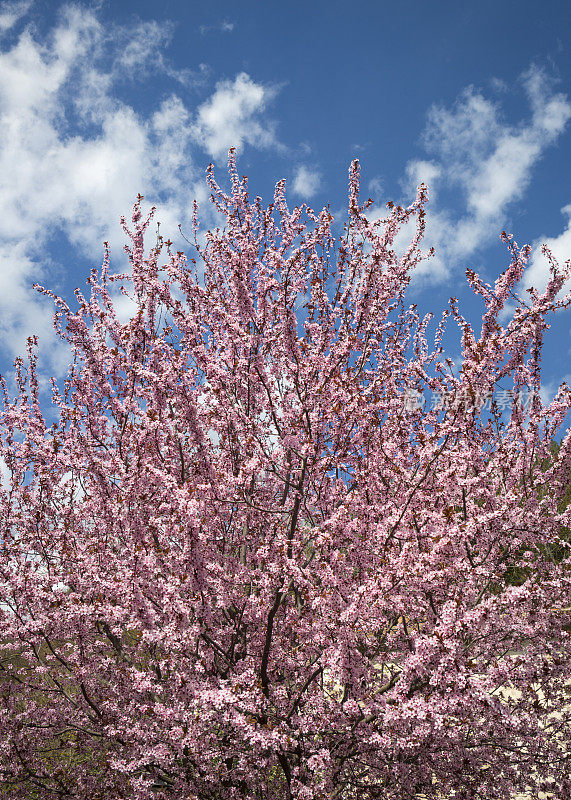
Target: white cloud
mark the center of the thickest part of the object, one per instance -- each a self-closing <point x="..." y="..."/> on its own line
<point x="21" y="313"/>
<point x="491" y="162"/>
<point x="375" y="187"/>
<point x="419" y="171"/>
<point x="53" y="177"/>
<point x="4" y="474"/>
<point x="12" y="13"/>
<point x="537" y="273"/>
<point x="73" y="156"/>
<point x="306" y="182"/>
<point x="125" y="305"/>
<point x="232" y="117"/>
<point x="437" y="268"/>
<point x="548" y="390"/>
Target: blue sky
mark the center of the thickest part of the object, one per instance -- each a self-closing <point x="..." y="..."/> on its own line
<point x="100" y="101"/>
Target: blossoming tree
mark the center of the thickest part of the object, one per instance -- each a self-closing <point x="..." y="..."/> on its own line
<point x="240" y="565"/>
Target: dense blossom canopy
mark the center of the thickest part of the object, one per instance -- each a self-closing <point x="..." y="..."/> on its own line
<point x="241" y="565"/>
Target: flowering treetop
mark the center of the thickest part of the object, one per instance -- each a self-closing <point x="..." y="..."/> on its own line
<point x="239" y="566"/>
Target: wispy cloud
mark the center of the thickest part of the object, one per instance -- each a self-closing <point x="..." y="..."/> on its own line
<point x="225" y="26"/>
<point x="12" y="13"/>
<point x="473" y="150"/>
<point x="140" y="51"/>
